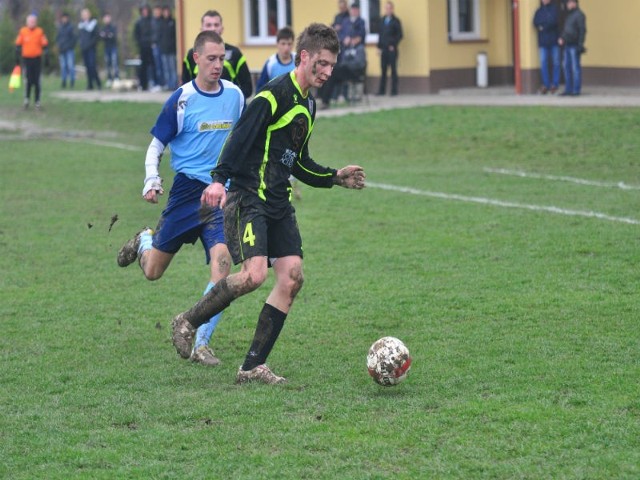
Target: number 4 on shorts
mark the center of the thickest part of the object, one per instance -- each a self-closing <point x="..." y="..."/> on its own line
<point x="248" y="236"/>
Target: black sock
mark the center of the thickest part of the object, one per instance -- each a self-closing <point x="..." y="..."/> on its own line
<point x="270" y="323"/>
<point x="215" y="301"/>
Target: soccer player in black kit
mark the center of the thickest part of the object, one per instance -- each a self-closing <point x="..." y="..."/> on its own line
<point x="269" y="142"/>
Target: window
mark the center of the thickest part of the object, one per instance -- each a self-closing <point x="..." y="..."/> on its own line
<point x="370" y="12"/>
<point x="263" y="19"/>
<point x="464" y="19"/>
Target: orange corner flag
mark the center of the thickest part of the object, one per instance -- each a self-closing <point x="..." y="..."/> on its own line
<point x="16" y="78"/>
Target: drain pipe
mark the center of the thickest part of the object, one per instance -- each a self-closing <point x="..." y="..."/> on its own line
<point x="181" y="45"/>
<point x="516" y="46"/>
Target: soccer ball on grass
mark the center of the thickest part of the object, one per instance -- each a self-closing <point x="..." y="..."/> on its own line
<point x="388" y="361"/>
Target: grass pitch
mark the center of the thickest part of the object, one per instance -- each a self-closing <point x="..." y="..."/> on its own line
<point x="521" y="314"/>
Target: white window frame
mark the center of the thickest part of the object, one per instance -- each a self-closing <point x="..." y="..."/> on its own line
<point x="263" y="37"/>
<point x="454" y="26"/>
<point x="364" y="13"/>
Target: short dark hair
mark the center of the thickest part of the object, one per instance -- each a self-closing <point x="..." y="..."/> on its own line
<point x="316" y="37"/>
<point x="204" y="37"/>
<point x="211" y="13"/>
<point x="285" y="33"/>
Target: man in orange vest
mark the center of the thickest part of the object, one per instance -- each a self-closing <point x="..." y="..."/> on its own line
<point x="31" y="43"/>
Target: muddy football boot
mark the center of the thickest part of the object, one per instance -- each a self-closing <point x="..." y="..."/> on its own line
<point x="261" y="373"/>
<point x="129" y="251"/>
<point x="182" y="335"/>
<point x="204" y="356"/>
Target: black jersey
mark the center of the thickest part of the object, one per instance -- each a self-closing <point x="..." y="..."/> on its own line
<point x="235" y="69"/>
<point x="270" y="142"/>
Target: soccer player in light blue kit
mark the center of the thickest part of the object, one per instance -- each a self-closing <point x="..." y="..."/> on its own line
<point x="195" y="122"/>
<point x="281" y="62"/>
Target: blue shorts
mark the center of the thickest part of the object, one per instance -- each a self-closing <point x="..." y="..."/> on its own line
<point x="185" y="220"/>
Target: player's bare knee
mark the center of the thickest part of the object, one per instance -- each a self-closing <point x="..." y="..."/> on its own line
<point x="247" y="281"/>
<point x="255" y="278"/>
<point x="295" y="280"/>
<point x="151" y="274"/>
<point x="223" y="264"/>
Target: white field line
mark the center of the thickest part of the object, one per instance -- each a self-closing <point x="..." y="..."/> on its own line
<point x="103" y="143"/>
<point x="579" y="181"/>
<point x="500" y="203"/>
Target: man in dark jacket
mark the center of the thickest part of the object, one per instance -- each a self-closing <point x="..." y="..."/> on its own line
<point x="168" y="49"/>
<point x="545" y="21"/>
<point x="143" y="34"/>
<point x="109" y="35"/>
<point x="88" y="39"/>
<point x="66" y="41"/>
<point x="235" y="70"/>
<point x="572" y="39"/>
<point x="388" y="40"/>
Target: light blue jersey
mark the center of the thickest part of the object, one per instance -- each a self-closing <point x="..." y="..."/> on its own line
<point x="273" y="68"/>
<point x="195" y="124"/>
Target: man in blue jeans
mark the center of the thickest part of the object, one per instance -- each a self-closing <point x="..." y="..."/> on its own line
<point x="109" y="35"/>
<point x="545" y="21"/>
<point x="572" y="39"/>
<point x="66" y="40"/>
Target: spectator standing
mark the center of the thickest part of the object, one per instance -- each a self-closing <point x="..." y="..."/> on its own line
<point x="109" y="35"/>
<point x="168" y="49"/>
<point x="352" y="31"/>
<point x="283" y="61"/>
<point x="143" y="35"/>
<point x="88" y="39"/>
<point x="31" y="45"/>
<point x="66" y="40"/>
<point x="388" y="40"/>
<point x="341" y="16"/>
<point x="351" y="67"/>
<point x="353" y="26"/>
<point x="572" y="39"/>
<point x="156" y="29"/>
<point x="236" y="69"/>
<point x="546" y="21"/>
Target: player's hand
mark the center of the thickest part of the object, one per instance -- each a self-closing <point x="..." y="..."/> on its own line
<point x="351" y="176"/>
<point x="152" y="188"/>
<point x="214" y="195"/>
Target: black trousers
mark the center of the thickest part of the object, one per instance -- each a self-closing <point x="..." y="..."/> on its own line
<point x="33" y="69"/>
<point x="389" y="59"/>
<point x="147" y="64"/>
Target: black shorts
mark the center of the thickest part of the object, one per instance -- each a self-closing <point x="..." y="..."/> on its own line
<point x="250" y="231"/>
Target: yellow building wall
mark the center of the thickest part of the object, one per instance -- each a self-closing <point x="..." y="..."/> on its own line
<point x="413" y="57"/>
<point x="414" y="51"/>
<point x="612" y="41"/>
<point x="495" y="30"/>
<point x="612" y="33"/>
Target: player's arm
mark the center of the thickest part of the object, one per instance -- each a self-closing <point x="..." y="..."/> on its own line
<point x="152" y="181"/>
<point x="164" y="131"/>
<point x="214" y="195"/>
<point x="351" y="176"/>
<point x="309" y="172"/>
